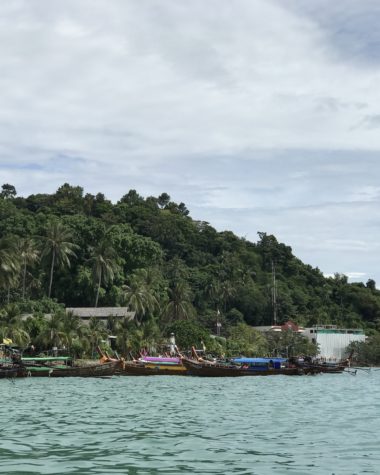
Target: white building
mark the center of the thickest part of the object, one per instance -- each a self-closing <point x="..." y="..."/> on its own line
<point x="332" y="341"/>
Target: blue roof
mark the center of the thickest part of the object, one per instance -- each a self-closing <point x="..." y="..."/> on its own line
<point x="258" y="360"/>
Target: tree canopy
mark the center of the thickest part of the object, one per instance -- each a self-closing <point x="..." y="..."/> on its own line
<point x="84" y="250"/>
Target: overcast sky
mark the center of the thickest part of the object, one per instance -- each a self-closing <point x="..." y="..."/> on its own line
<point x="260" y="115"/>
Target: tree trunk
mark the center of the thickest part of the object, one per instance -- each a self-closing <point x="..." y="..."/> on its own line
<point x="9" y="294"/>
<point x="51" y="272"/>
<point x="98" y="289"/>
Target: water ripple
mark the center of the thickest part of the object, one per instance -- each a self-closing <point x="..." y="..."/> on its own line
<point x="173" y="425"/>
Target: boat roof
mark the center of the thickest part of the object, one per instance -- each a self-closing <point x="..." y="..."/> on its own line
<point x="160" y="359"/>
<point x="46" y="358"/>
<point x="258" y="360"/>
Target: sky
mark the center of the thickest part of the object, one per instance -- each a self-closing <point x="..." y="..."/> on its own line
<point x="259" y="115"/>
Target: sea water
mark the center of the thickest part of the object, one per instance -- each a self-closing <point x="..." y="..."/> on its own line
<point x="325" y="424"/>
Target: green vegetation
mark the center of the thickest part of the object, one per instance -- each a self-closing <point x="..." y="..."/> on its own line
<point x="76" y="250"/>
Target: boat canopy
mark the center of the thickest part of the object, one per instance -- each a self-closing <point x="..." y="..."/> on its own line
<point x="46" y="358"/>
<point x="160" y="359"/>
<point x="258" y="360"/>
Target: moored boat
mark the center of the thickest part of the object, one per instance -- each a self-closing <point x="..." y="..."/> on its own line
<point x="329" y="368"/>
<point x="59" y="367"/>
<point x="150" y="366"/>
<point x="12" y="371"/>
<point x="238" y="367"/>
<point x="308" y="365"/>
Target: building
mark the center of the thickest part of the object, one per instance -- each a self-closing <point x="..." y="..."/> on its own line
<point x="101" y="313"/>
<point x="287" y="326"/>
<point x="332" y="341"/>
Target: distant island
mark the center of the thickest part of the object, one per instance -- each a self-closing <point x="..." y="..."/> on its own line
<point x="178" y="275"/>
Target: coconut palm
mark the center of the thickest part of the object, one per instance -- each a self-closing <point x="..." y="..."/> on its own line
<point x="71" y="327"/>
<point x="127" y="334"/>
<point x="138" y="295"/>
<point x="179" y="306"/>
<point x="96" y="332"/>
<point x="151" y="336"/>
<point x="104" y="265"/>
<point x="123" y="331"/>
<point x="52" y="334"/>
<point x="11" y="326"/>
<point x="112" y="324"/>
<point x="58" y="248"/>
<point x="28" y="254"/>
<point x="226" y="292"/>
<point x="9" y="264"/>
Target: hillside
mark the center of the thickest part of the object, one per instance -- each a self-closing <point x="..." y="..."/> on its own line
<point x="149" y="253"/>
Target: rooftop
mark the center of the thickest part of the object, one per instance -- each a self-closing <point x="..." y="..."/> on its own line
<point x="101" y="312"/>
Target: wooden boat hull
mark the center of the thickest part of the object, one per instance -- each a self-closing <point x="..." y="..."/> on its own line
<point x="143" y="369"/>
<point x="196" y="368"/>
<point x="12" y="372"/>
<point x="331" y="369"/>
<point x="321" y="368"/>
<point x="99" y="370"/>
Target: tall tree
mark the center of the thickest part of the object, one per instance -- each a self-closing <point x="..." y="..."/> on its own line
<point x="28" y="254"/>
<point x="52" y="334"/>
<point x="179" y="306"/>
<point x="139" y="296"/>
<point x="96" y="332"/>
<point x="71" y="327"/>
<point x="8" y="191"/>
<point x="9" y="264"/>
<point x="11" y="326"/>
<point x="104" y="265"/>
<point x="58" y="248"/>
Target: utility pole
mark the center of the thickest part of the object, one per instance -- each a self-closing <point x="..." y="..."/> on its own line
<point x="274" y="294"/>
<point x="218" y="324"/>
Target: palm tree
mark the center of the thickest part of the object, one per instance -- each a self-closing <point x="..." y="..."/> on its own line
<point x="226" y="292"/>
<point x="29" y="254"/>
<point x="71" y="327"/>
<point x="96" y="332"/>
<point x="138" y="295"/>
<point x="57" y="247"/>
<point x="125" y="328"/>
<point x="211" y="292"/>
<point x="9" y="264"/>
<point x="103" y="265"/>
<point x="179" y="306"/>
<point x="150" y="335"/>
<point x="11" y="326"/>
<point x="52" y="334"/>
<point x="112" y="324"/>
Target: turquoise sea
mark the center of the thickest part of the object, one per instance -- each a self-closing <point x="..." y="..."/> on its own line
<point x="326" y="424"/>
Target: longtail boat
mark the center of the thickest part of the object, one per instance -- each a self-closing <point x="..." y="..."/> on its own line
<point x="153" y="365"/>
<point x="10" y="366"/>
<point x="9" y="370"/>
<point x="308" y="365"/>
<point x="326" y="368"/>
<point x="58" y="367"/>
<point x="241" y="367"/>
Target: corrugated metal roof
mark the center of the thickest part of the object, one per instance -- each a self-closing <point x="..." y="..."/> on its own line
<point x="101" y="312"/>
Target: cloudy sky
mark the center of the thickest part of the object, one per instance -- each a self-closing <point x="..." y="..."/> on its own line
<point x="260" y="115"/>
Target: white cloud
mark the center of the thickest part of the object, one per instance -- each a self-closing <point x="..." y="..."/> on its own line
<point x="248" y="107"/>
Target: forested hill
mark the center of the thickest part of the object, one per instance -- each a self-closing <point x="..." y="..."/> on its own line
<point x="83" y="250"/>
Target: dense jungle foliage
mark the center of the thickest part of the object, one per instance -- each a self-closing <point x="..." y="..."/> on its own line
<point x="79" y="250"/>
